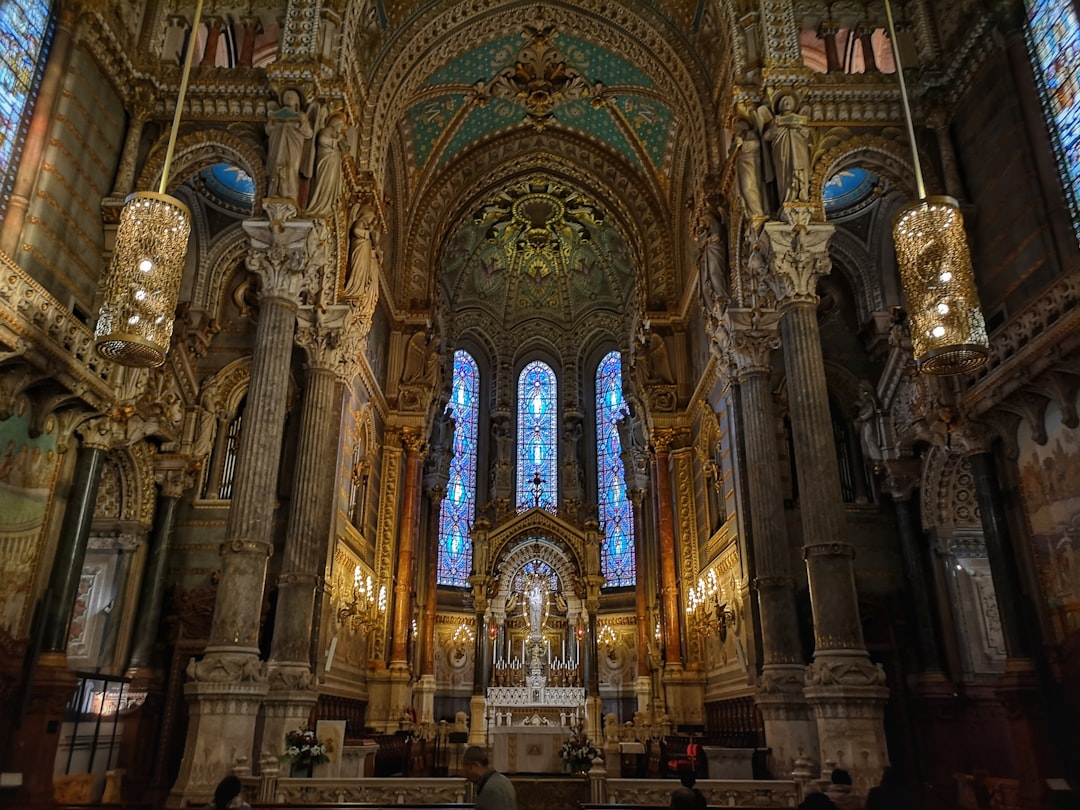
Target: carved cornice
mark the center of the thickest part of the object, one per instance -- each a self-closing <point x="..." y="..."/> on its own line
<point x="49" y="337"/>
<point x="1045" y="335"/>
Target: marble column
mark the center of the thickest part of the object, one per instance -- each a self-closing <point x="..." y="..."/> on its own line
<point x="846" y="690"/>
<point x="251" y="27"/>
<point x="669" y="586"/>
<point x="643" y="683"/>
<point x="292" y="683"/>
<point x="901" y="485"/>
<point x="425" y="686"/>
<point x="1037" y="736"/>
<point x="750" y="335"/>
<point x="173" y="483"/>
<point x="33" y="746"/>
<point x="406" y="552"/>
<point x="214" y="24"/>
<point x="226" y="688"/>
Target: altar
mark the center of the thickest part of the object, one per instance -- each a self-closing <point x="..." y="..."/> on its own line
<point x="527" y="749"/>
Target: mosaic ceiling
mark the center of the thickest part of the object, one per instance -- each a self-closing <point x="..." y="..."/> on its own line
<point x="541" y="78"/>
<point x="538" y="250"/>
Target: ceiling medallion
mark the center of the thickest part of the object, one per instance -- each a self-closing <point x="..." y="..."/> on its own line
<point x="540" y="80"/>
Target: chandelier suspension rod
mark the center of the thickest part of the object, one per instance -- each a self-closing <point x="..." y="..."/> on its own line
<point x="919" y="185"/>
<point x="189" y="57"/>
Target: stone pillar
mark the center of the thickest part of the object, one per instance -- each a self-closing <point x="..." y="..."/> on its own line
<point x="901" y="485"/>
<point x="33" y="746"/>
<point x="252" y="27"/>
<point x="293" y="686"/>
<point x="865" y="35"/>
<point x="129" y="155"/>
<point x="406" y="554"/>
<point x="750" y="336"/>
<point x="669" y="586"/>
<point x="827" y="31"/>
<point x="425" y="687"/>
<point x="214" y="25"/>
<point x="71" y="549"/>
<point x="400" y="672"/>
<point x="1020" y="689"/>
<point x="152" y="590"/>
<point x="226" y="688"/>
<point x="846" y="690"/>
<point x="642" y="685"/>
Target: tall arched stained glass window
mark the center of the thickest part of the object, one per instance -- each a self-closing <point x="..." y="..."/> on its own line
<point x="1054" y="42"/>
<point x="25" y="30"/>
<point x="617" y="554"/>
<point x="538" y="431"/>
<point x="459" y="506"/>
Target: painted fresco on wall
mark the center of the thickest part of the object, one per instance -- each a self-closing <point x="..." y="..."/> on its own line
<point x="28" y="468"/>
<point x="1050" y="488"/>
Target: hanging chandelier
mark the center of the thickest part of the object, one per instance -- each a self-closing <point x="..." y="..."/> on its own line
<point x="948" y="334"/>
<point x="135" y="324"/>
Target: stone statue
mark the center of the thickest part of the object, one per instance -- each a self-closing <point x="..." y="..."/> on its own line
<point x="868" y="424"/>
<point x="365" y="258"/>
<point x="421" y="360"/>
<point x="656" y="365"/>
<point x="749" y="168"/>
<point x="330" y="149"/>
<point x="789" y="144"/>
<point x="712" y="256"/>
<point x="288" y="129"/>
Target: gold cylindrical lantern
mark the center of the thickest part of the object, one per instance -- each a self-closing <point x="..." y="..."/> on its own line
<point x="143" y="282"/>
<point x="948" y="334"/>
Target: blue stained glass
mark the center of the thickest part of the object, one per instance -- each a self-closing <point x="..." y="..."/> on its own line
<point x="617" y="561"/>
<point x="1054" y="43"/>
<point x="459" y="506"/>
<point x="25" y="25"/>
<point x="538" y="430"/>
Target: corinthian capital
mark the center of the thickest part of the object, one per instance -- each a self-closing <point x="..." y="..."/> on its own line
<point x="800" y="256"/>
<point x="286" y="253"/>
<point x="320" y="332"/>
<point x="749" y="336"/>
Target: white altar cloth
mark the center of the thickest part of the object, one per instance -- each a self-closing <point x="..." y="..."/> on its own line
<point x="527" y="749"/>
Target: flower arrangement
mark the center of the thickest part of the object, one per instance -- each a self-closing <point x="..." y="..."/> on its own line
<point x="578" y="749"/>
<point x="303" y="749"/>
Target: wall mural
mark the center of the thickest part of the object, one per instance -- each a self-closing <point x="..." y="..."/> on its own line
<point x="28" y="468"/>
<point x="1050" y="490"/>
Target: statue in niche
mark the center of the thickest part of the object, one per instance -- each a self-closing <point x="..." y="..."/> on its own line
<point x="655" y="362"/>
<point x="421" y="360"/>
<point x="365" y="258"/>
<point x="330" y="149"/>
<point x="712" y="255"/>
<point x="867" y="420"/>
<point x="788" y="135"/>
<point x="289" y="130"/>
<point x="749" y="169"/>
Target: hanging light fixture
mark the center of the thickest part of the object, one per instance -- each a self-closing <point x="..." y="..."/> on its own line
<point x="948" y="334"/>
<point x="135" y="323"/>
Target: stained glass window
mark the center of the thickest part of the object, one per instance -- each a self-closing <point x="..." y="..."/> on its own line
<point x="617" y="552"/>
<point x="25" y="28"/>
<point x="459" y="505"/>
<point x="1054" y="42"/>
<point x="538" y="431"/>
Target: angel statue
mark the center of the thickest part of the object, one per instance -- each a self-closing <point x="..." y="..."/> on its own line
<point x="289" y="129"/>
<point x="788" y="137"/>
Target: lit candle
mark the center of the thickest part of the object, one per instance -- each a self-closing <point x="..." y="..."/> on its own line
<point x="564" y="647"/>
